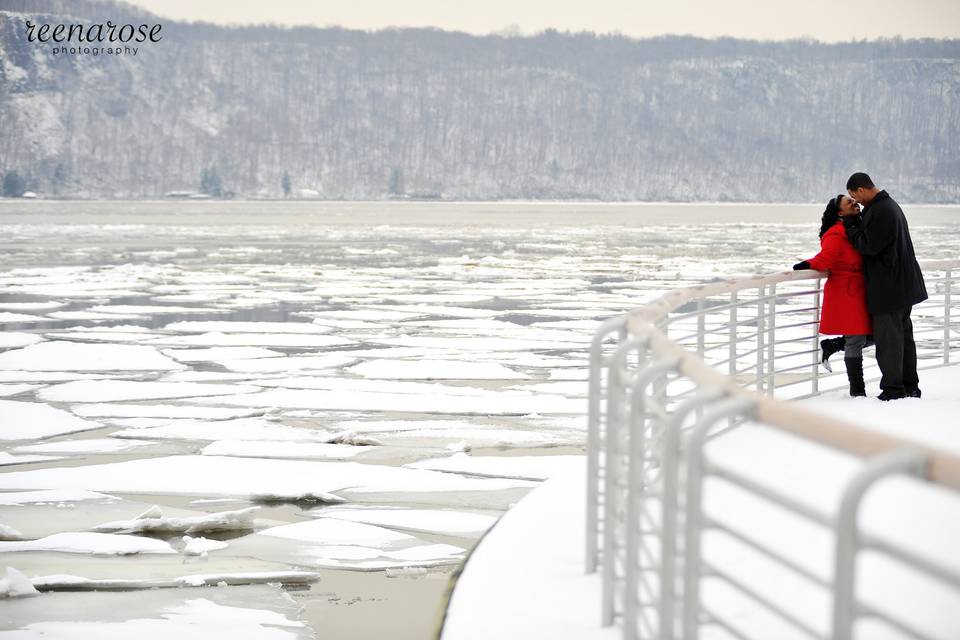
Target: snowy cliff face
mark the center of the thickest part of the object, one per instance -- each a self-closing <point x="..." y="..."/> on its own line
<point x="369" y="115"/>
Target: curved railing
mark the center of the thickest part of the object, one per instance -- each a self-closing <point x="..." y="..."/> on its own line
<point x="687" y="368"/>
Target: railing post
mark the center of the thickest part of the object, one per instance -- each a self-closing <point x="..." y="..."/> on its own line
<point x="615" y="393"/>
<point x="815" y="371"/>
<point x="948" y="287"/>
<point x="760" y="336"/>
<point x="772" y="340"/>
<point x="848" y="540"/>
<point x="595" y="396"/>
<point x="636" y="483"/>
<point x="670" y="447"/>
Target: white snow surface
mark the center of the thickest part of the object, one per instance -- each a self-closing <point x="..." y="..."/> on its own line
<point x="31" y="420"/>
<point x="201" y="545"/>
<point x="60" y="355"/>
<point x="241" y="429"/>
<point x="529" y="570"/>
<point x="245" y="327"/>
<point x="87" y="445"/>
<point x="220" y="353"/>
<point x="13" y="498"/>
<point x="97" y="410"/>
<point x="7" y="459"/>
<point x="89" y="542"/>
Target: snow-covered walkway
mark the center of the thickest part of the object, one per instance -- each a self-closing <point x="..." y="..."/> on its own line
<point x="526" y="578"/>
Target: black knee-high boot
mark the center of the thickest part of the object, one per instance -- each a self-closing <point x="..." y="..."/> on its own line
<point x="855" y="376"/>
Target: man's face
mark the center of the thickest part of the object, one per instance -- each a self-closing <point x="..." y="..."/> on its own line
<point x="859" y="195"/>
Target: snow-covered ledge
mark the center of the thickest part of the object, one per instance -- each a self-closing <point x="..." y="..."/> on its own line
<point x="785" y="547"/>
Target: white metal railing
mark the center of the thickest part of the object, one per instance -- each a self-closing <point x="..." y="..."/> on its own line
<point x="687" y="368"/>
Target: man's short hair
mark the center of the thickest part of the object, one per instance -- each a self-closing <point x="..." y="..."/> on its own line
<point x="859" y="181"/>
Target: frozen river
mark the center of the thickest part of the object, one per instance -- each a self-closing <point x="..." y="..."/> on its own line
<point x="306" y="414"/>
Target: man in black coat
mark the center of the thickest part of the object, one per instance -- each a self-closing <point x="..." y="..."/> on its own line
<point x="894" y="283"/>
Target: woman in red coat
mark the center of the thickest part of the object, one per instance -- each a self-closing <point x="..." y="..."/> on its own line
<point x="844" y="310"/>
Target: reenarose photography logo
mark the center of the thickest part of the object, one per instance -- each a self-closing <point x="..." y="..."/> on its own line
<point x="93" y="39"/>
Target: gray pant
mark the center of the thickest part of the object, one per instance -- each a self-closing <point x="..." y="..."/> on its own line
<point x="853" y="346"/>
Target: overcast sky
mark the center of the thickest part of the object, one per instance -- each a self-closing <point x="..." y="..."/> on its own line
<point x="829" y="20"/>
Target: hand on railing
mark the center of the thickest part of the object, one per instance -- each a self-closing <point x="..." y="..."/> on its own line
<point x="801" y="266"/>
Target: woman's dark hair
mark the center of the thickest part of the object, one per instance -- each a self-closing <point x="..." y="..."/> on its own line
<point x="830" y="215"/>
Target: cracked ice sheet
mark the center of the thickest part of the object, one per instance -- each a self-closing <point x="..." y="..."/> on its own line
<point x="252" y="339"/>
<point x="328" y="542"/>
<point x="7" y="316"/>
<point x="253" y="477"/>
<point x="6" y="459"/>
<point x="214" y="354"/>
<point x="491" y="403"/>
<point x="288" y="363"/>
<point x="98" y="410"/>
<point x="86" y="446"/>
<point x="520" y="467"/>
<point x="247" y="429"/>
<point x="13" y="339"/>
<point x="13" y="389"/>
<point x="245" y="327"/>
<point x="483" y="344"/>
<point x="117" y="390"/>
<point x="436" y="521"/>
<point x="282" y="449"/>
<point x="74" y="356"/>
<point x="435" y="370"/>
<point x="247" y="612"/>
<point x="31" y="420"/>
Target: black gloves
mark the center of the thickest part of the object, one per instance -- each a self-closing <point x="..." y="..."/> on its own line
<point x="800" y="266"/>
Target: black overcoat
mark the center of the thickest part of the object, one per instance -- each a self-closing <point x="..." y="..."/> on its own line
<point x="894" y="280"/>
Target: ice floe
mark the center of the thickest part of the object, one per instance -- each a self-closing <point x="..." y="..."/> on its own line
<point x="241" y="429"/>
<point x="214" y="354"/>
<point x="98" y="410"/>
<point x="118" y="390"/>
<point x="81" y="446"/>
<point x="9" y="533"/>
<point x="89" y="542"/>
<point x="434" y="370"/>
<point x="245" y="327"/>
<point x="7" y="390"/>
<point x="502" y="403"/>
<point x="74" y="356"/>
<point x="521" y="467"/>
<point x="32" y="420"/>
<point x="217" y="339"/>
<point x="7" y="459"/>
<point x="436" y="521"/>
<point x="329" y="531"/>
<point x="283" y="449"/>
<point x="13" y="339"/>
<point x="201" y="546"/>
<point x="14" y="584"/>
<point x="153" y="521"/>
<point x="288" y="363"/>
<point x="48" y="496"/>
<point x="249" y="477"/>
<point x="6" y="316"/>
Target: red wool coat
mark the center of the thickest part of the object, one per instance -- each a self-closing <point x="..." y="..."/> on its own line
<point x="844" y="308"/>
